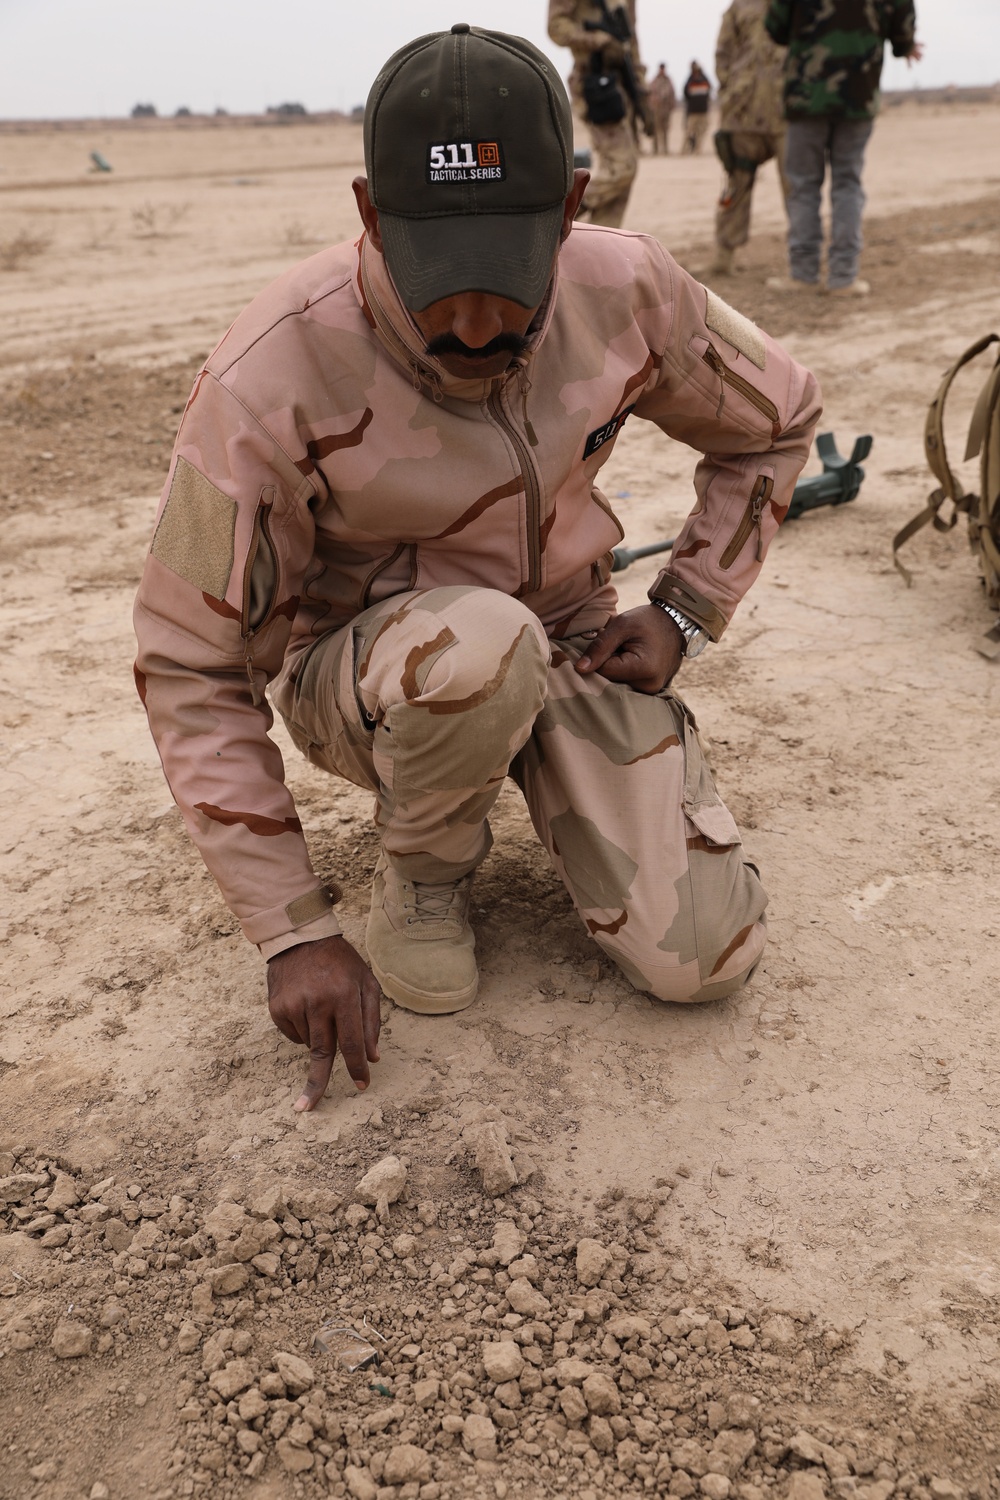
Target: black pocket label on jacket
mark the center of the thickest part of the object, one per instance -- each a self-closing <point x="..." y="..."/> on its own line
<point x="602" y="435"/>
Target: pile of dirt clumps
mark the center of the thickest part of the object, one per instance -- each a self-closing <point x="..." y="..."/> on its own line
<point x="363" y="1339"/>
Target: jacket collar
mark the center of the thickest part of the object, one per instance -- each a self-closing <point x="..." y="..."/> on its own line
<point x="404" y="342"/>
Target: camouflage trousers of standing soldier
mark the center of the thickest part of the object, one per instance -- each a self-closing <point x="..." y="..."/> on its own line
<point x="750" y="150"/>
<point x="617" y="153"/>
<point x="432" y="698"/>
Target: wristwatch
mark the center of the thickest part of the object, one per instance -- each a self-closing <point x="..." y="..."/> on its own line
<point x="695" y="639"/>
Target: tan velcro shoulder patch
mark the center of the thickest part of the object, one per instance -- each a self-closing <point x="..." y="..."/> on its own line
<point x="735" y="329"/>
<point x="196" y="535"/>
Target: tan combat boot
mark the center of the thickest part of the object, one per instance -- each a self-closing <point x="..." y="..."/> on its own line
<point x="722" y="265"/>
<point x="420" y="945"/>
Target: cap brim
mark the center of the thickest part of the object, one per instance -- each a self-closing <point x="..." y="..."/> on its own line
<point x="505" y="255"/>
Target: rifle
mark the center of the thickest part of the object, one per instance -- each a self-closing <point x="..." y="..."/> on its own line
<point x="839" y="482"/>
<point x="616" y="24"/>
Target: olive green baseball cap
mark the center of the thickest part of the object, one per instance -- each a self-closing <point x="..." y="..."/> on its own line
<point x="469" y="155"/>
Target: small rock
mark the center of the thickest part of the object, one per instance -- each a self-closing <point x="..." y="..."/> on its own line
<point x="592" y="1262"/>
<point x="225" y="1280"/>
<point x="479" y="1437"/>
<point x="715" y="1486"/>
<point x="382" y="1185"/>
<point x="493" y="1157"/>
<point x="248" y="1441"/>
<point x="627" y="1326"/>
<point x="731" y="1451"/>
<point x="267" y="1264"/>
<point x="54" y="1239"/>
<point x="572" y="1371"/>
<point x="225" y="1222"/>
<point x="812" y="1451"/>
<point x="118" y="1236"/>
<point x="252" y="1405"/>
<point x="99" y="1491"/>
<point x="21" y="1186"/>
<point x="406" y="1464"/>
<point x="427" y="1213"/>
<point x="45" y="1471"/>
<point x="508" y="1241"/>
<point x="296" y="1374"/>
<point x="269" y="1202"/>
<point x="503" y="1361"/>
<point x="601" y="1436"/>
<point x="188" y="1337"/>
<point x="574" y="1407"/>
<point x="63" y="1195"/>
<point x="806" y="1484"/>
<point x="526" y="1300"/>
<point x="778" y="1331"/>
<point x="426" y="1392"/>
<point x="944" y="1489"/>
<point x="681" y="1485"/>
<point x="360" y="1483"/>
<point x="601" y="1395"/>
<point x="525" y="1266"/>
<point x="404" y="1246"/>
<point x="71" y="1339"/>
<point x="292" y="1458"/>
<point x="112" y="1313"/>
<point x="235" y="1377"/>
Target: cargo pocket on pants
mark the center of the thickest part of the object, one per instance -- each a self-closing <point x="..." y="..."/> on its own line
<point x="727" y="896"/>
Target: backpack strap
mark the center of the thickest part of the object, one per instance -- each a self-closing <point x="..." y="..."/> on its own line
<point x="949" y="487"/>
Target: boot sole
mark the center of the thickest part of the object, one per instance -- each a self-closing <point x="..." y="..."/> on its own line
<point x="425" y="1003"/>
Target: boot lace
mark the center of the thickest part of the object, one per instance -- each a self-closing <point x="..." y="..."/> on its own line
<point x="437" y="902"/>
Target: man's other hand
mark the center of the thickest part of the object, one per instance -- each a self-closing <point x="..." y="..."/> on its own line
<point x="323" y="995"/>
<point x="642" y="647"/>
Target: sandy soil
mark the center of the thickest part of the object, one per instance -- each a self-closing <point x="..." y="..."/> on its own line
<point x="797" y="1189"/>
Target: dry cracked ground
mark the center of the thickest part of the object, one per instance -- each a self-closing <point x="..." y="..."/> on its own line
<point x="744" y="1251"/>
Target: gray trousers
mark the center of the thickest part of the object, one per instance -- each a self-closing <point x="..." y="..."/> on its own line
<point x="810" y="144"/>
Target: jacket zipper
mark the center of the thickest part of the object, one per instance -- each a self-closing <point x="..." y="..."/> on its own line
<point x="750" y="519"/>
<point x="261" y="527"/>
<point x="749" y="392"/>
<point x="532" y="496"/>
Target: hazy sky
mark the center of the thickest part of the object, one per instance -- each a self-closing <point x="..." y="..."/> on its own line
<point x="66" y="58"/>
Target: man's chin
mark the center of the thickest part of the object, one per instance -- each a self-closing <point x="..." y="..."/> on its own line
<point x="476" y="369"/>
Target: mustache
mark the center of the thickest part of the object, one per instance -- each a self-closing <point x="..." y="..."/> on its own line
<point x="450" y="343"/>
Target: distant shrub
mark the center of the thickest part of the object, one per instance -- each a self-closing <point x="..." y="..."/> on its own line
<point x="154" y="221"/>
<point x="183" y="113"/>
<point x="21" y="247"/>
<point x="144" y="112"/>
<point x="286" y="109"/>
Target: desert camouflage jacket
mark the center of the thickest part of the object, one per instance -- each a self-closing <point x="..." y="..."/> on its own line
<point x="323" y="464"/>
<point x="835" y="52"/>
<point x="750" y="68"/>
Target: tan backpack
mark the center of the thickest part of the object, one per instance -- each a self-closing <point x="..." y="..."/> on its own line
<point x="982" y="510"/>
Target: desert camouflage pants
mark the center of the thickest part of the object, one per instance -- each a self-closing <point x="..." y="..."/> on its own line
<point x="432" y="698"/>
<point x="617" y="153"/>
<point x="695" y="128"/>
<point x="751" y="149"/>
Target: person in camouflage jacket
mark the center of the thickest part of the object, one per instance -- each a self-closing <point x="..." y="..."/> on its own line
<point x="750" y="68"/>
<point x="384" y="508"/>
<point x="832" y="73"/>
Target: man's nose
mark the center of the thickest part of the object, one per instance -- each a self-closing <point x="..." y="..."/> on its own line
<point x="477" y="319"/>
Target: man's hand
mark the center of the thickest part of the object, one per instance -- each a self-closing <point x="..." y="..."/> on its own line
<point x="321" y="995"/>
<point x="642" y="647"/>
<point x="915" y="54"/>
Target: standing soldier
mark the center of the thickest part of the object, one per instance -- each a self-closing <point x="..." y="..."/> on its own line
<point x="663" y="99"/>
<point x="750" y="69"/>
<point x="607" y="90"/>
<point x="832" y="74"/>
<point x="697" y="98"/>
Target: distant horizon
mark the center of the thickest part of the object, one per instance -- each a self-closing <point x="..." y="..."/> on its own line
<point x="273" y="112"/>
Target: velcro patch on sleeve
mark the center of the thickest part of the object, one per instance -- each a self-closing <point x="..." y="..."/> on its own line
<point x="735" y="329"/>
<point x="196" y="535"/>
<point x="310" y="907"/>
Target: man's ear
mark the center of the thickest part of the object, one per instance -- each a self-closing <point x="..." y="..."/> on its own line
<point x="580" y="180"/>
<point x="368" y="211"/>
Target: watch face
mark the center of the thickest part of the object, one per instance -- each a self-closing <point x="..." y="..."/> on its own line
<point x="696" y="643"/>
